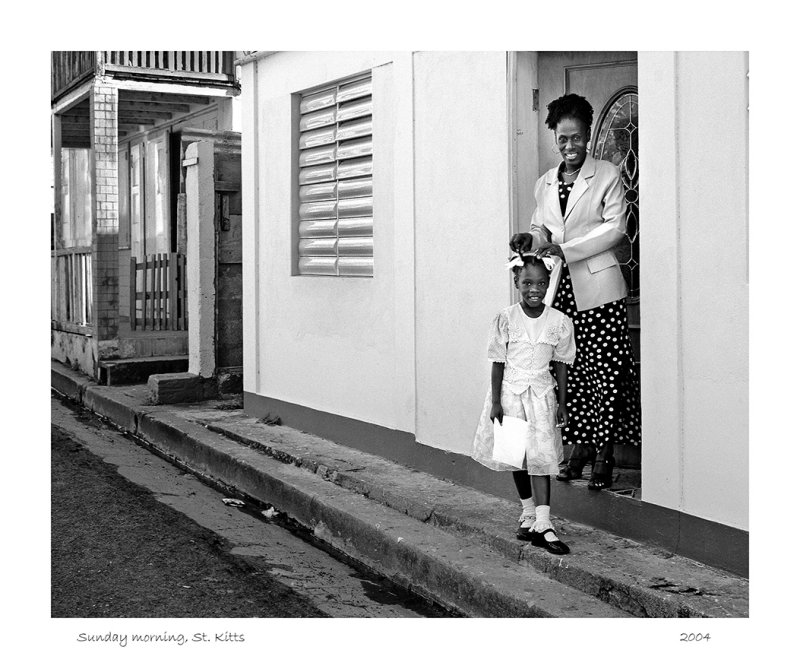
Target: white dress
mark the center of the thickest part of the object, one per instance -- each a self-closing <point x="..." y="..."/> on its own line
<point x="528" y="389"/>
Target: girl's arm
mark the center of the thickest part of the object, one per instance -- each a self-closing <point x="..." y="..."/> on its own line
<point x="561" y="381"/>
<point x="498" y="368"/>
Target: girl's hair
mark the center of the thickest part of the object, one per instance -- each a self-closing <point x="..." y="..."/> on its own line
<point x="533" y="262"/>
<point x="571" y="105"/>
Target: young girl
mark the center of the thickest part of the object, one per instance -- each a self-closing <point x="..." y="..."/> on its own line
<point x="524" y="338"/>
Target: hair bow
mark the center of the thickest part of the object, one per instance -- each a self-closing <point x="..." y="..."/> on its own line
<point x="516" y="260"/>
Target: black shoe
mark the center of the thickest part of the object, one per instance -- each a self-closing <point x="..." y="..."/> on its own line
<point x="570" y="472"/>
<point x="602" y="474"/>
<point x="556" y="547"/>
<point x="524" y="533"/>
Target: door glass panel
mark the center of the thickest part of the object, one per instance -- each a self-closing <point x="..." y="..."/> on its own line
<point x="124" y="190"/>
<point x="617" y="140"/>
<point x="162" y="198"/>
<point x="157" y="219"/>
<point x="66" y="201"/>
<point x="137" y="227"/>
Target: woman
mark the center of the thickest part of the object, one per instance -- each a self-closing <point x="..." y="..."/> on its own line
<point x="579" y="219"/>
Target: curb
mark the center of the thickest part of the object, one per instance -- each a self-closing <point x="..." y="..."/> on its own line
<point x="610" y="583"/>
<point x="69" y="383"/>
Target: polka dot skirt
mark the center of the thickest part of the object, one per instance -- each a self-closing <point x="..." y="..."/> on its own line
<point x="602" y="386"/>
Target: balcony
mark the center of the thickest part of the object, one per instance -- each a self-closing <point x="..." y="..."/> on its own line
<point x="200" y="68"/>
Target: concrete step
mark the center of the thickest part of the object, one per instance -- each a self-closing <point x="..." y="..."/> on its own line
<point x="137" y="370"/>
<point x="639" y="579"/>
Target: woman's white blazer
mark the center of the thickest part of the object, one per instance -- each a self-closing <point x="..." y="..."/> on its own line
<point x="593" y="225"/>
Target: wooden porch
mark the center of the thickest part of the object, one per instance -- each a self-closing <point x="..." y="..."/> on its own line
<point x="106" y="308"/>
<point x="207" y="68"/>
<point x="138" y="110"/>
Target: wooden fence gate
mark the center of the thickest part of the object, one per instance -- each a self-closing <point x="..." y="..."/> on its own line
<point x="158" y="292"/>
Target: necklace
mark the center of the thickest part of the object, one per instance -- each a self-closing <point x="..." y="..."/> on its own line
<point x="569" y="174"/>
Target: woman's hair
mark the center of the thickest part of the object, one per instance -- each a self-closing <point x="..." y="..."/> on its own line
<point x="573" y="106"/>
<point x="533" y="262"/>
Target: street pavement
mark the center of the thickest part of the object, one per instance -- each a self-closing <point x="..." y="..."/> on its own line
<point x="134" y="536"/>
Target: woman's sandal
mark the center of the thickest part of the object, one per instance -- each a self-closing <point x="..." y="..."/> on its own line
<point x="601" y="473"/>
<point x="577" y="461"/>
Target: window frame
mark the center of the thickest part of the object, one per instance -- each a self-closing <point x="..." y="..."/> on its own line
<point x="360" y="205"/>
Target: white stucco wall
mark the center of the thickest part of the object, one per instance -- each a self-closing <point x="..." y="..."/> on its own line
<point x="337" y="344"/>
<point x="462" y="230"/>
<point x="384" y="350"/>
<point x="693" y="147"/>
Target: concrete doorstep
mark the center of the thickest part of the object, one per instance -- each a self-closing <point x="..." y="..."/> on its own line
<point x="449" y="543"/>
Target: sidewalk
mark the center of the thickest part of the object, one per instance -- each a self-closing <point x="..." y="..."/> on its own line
<point x="449" y="543"/>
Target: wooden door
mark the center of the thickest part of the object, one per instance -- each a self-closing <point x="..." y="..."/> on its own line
<point x="229" y="325"/>
<point x="596" y="75"/>
<point x="608" y="80"/>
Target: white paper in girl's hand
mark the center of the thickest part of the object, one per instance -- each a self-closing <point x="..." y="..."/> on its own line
<point x="510" y="441"/>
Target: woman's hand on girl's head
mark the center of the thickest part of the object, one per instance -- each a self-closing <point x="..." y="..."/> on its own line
<point x="549" y="250"/>
<point x="496" y="412"/>
<point x="521" y="242"/>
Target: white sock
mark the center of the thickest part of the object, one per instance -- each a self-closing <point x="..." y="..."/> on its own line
<point x="528" y="512"/>
<point x="543" y="524"/>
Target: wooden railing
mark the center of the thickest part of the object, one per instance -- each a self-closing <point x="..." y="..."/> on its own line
<point x="211" y="67"/>
<point x="71" y="296"/>
<point x="158" y="292"/>
<point x="196" y="62"/>
<point x="69" y="67"/>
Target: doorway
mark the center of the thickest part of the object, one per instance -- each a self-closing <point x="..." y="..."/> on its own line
<point x="608" y="80"/>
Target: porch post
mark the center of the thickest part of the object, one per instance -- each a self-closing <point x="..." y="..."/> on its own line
<point x="55" y="232"/>
<point x="105" y="216"/>
<point x="200" y="256"/>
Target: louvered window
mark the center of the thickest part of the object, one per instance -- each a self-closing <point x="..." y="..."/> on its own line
<point x="335" y="180"/>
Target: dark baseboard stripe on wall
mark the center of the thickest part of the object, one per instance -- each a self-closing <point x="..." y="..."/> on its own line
<point x="703" y="540"/>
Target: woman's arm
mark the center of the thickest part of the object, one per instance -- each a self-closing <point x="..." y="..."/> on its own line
<point x="607" y="233"/>
<point x="498" y="369"/>
<point x="539" y="233"/>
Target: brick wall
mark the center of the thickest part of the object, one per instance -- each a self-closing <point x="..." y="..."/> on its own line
<point x="105" y="223"/>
